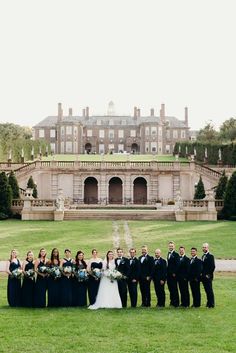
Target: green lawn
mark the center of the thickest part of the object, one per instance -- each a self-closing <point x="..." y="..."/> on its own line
<point x="140" y="330"/>
<point x="111" y="157"/>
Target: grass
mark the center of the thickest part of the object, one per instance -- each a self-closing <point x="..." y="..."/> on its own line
<point x="111" y="157"/>
<point x="128" y="330"/>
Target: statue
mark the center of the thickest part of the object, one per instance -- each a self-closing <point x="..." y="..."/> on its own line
<point x="178" y="201"/>
<point x="60" y="201"/>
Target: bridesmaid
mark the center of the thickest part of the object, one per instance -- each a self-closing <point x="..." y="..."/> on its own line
<point x="14" y="283"/>
<point x="28" y="285"/>
<point x="79" y="287"/>
<point x="93" y="282"/>
<point x="53" y="283"/>
<point x="41" y="281"/>
<point x="67" y="264"/>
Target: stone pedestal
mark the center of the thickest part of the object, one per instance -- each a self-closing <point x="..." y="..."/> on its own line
<point x="180" y="216"/>
<point x="58" y="215"/>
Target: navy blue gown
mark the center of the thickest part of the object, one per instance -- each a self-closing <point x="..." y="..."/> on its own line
<point x="93" y="283"/>
<point x="79" y="290"/>
<point x="53" y="290"/>
<point x="14" y="286"/>
<point x="40" y="289"/>
<point x="66" y="286"/>
<point x="27" y="289"/>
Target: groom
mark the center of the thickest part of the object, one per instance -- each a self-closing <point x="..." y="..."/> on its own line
<point x="122" y="265"/>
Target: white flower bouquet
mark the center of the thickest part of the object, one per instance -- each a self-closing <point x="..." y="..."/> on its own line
<point x="113" y="275"/>
<point x="42" y="269"/>
<point x="96" y="273"/>
<point x="54" y="272"/>
<point x="67" y="270"/>
<point x="81" y="275"/>
<point x="17" y="273"/>
<point x="29" y="274"/>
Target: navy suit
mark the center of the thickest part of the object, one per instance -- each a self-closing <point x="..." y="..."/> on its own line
<point x="208" y="268"/>
<point x="182" y="278"/>
<point x="122" y="266"/>
<point x="159" y="273"/>
<point x="134" y="273"/>
<point x="173" y="262"/>
<point x="146" y="265"/>
<point x="195" y="271"/>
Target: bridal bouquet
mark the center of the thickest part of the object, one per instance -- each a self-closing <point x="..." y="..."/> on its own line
<point x="81" y="275"/>
<point x="67" y="270"/>
<point x="113" y="275"/>
<point x="54" y="271"/>
<point x="29" y="274"/>
<point x="97" y="273"/>
<point x="42" y="269"/>
<point x="17" y="273"/>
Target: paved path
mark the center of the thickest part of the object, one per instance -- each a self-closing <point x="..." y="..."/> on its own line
<point x="226" y="265"/>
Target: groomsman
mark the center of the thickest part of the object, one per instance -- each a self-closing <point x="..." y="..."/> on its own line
<point x="134" y="273"/>
<point x="173" y="262"/>
<point x="122" y="265"/>
<point x="183" y="277"/>
<point x="195" y="271"/>
<point x="146" y="266"/>
<point x="208" y="267"/>
<point x="159" y="274"/>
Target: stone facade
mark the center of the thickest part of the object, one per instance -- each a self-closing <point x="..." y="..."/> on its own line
<point x="112" y="133"/>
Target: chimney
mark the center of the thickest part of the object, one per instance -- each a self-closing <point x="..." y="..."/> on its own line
<point x="162" y="113"/>
<point x="152" y="112"/>
<point x="135" y="112"/>
<point x="138" y="112"/>
<point x="70" y="112"/>
<point x="87" y="112"/>
<point x="60" y="112"/>
<point x="186" y="116"/>
<point x="84" y="110"/>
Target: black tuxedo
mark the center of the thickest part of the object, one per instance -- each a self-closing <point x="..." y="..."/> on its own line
<point x="159" y="273"/>
<point x="208" y="268"/>
<point x="146" y="266"/>
<point x="123" y="267"/>
<point x="173" y="262"/>
<point x="134" y="273"/>
<point x="195" y="271"/>
<point x="182" y="278"/>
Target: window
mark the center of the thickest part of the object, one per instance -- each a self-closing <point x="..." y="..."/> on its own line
<point x="101" y="133"/>
<point x="41" y="133"/>
<point x="147" y="130"/>
<point x="111" y="122"/>
<point x="53" y="147"/>
<point x="99" y="122"/>
<point x="68" y="147"/>
<point x="62" y="130"/>
<point x="111" y="134"/>
<point x="167" y="148"/>
<point x="153" y="146"/>
<point x="121" y="133"/>
<point x="120" y="148"/>
<point x="175" y="134"/>
<point x="123" y="122"/>
<point x="183" y="134"/>
<point x="101" y="148"/>
<point x="167" y="134"/>
<point x="146" y="146"/>
<point x="111" y="147"/>
<point x="52" y="133"/>
<point x="62" y="147"/>
<point x="68" y="130"/>
<point x="133" y="133"/>
<point x="153" y="130"/>
<point x="75" y="130"/>
<point x="89" y="133"/>
<point x="160" y="131"/>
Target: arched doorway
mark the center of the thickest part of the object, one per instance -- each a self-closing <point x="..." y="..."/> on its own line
<point x="88" y="148"/>
<point x="90" y="190"/>
<point x="140" y="191"/>
<point x="134" y="148"/>
<point x="115" y="190"/>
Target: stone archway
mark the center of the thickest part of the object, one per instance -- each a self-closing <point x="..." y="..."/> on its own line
<point x="88" y="148"/>
<point x="90" y="190"/>
<point x="115" y="190"/>
<point x="134" y="148"/>
<point x="140" y="191"/>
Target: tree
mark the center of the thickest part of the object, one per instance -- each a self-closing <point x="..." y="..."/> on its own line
<point x="208" y="134"/>
<point x="200" y="190"/>
<point x="31" y="184"/>
<point x="229" y="209"/>
<point x="5" y="196"/>
<point x="228" y="129"/>
<point x="221" y="187"/>
<point x="14" y="185"/>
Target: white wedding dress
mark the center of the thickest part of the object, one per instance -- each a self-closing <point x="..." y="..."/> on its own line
<point x="108" y="293"/>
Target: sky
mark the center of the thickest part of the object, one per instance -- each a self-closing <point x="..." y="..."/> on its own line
<point x="134" y="52"/>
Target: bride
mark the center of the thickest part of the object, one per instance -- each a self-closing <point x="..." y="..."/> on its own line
<point x="108" y="294"/>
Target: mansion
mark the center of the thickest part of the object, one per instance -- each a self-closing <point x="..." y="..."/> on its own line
<point x="111" y="133"/>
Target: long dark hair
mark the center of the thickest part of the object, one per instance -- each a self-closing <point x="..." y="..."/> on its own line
<point x="39" y="255"/>
<point x="77" y="260"/>
<point x="27" y="255"/>
<point x="55" y="257"/>
<point x="109" y="251"/>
